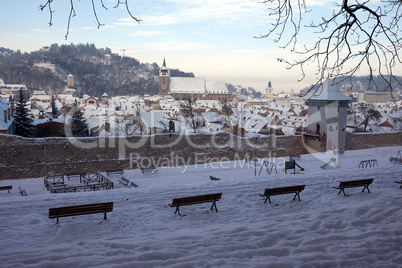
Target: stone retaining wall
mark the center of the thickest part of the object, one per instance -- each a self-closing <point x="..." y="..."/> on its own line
<point x="25" y="158"/>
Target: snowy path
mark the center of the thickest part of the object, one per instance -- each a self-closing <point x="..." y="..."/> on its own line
<point x="324" y="229"/>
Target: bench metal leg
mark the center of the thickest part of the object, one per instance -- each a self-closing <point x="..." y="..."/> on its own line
<point x="366" y="187"/>
<point x="400" y="187"/>
<point x="342" y="190"/>
<point x="297" y="194"/>
<point x="177" y="208"/>
<point x="105" y="218"/>
<point x="214" y="205"/>
<point x="267" y="199"/>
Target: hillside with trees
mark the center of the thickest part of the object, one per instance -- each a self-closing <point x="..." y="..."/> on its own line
<point x="363" y="83"/>
<point x="95" y="70"/>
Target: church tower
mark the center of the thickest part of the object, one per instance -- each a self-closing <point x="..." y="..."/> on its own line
<point x="269" y="91"/>
<point x="164" y="76"/>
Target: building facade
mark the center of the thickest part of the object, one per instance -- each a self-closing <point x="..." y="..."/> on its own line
<point x="327" y="116"/>
<point x="191" y="88"/>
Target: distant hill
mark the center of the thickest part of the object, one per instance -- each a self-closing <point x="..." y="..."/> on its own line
<point x="95" y="70"/>
<point x="362" y="83"/>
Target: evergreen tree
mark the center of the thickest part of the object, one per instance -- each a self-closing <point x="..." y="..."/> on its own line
<point x="23" y="121"/>
<point x="79" y="126"/>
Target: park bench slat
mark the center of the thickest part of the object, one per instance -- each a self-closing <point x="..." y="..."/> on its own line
<point x="283" y="190"/>
<point x="191" y="200"/>
<point x="79" y="208"/>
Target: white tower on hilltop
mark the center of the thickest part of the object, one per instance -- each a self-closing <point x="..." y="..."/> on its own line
<point x="327" y="114"/>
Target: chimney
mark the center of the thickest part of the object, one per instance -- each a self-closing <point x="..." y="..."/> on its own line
<point x="5" y="116"/>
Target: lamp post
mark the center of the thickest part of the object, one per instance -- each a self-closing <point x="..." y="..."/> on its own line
<point x="171" y="131"/>
<point x="255" y="156"/>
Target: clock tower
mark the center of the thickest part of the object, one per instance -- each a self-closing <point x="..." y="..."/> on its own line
<point x="164" y="76"/>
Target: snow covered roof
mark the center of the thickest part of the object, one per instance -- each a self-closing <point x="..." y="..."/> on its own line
<point x="327" y="92"/>
<point x="152" y="118"/>
<point x="196" y="85"/>
<point x="187" y="84"/>
<point x="218" y="87"/>
<point x="256" y="123"/>
<point x="212" y="117"/>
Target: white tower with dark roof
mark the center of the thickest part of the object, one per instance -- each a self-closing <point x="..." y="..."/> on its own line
<point x="327" y="115"/>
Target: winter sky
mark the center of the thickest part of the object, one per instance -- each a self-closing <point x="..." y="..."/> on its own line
<point x="212" y="39"/>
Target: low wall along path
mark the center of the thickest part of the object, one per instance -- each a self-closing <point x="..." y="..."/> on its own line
<point x="31" y="158"/>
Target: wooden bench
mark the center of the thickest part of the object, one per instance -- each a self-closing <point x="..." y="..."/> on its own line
<point x="116" y="171"/>
<point x="80" y="210"/>
<point x="400" y="182"/>
<point x="124" y="181"/>
<point x="214" y="178"/>
<point x="184" y="201"/>
<point x="133" y="184"/>
<point x="9" y="187"/>
<point x="283" y="190"/>
<point x="22" y="192"/>
<point x="357" y="183"/>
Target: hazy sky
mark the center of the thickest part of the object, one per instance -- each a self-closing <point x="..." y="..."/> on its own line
<point x="214" y="39"/>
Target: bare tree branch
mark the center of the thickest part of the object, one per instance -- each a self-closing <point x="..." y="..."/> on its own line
<point x="42" y="7"/>
<point x="72" y="14"/>
<point x="355" y="36"/>
<point x="95" y="13"/>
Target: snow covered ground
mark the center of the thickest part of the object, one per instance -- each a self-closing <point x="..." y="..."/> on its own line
<point x="322" y="230"/>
